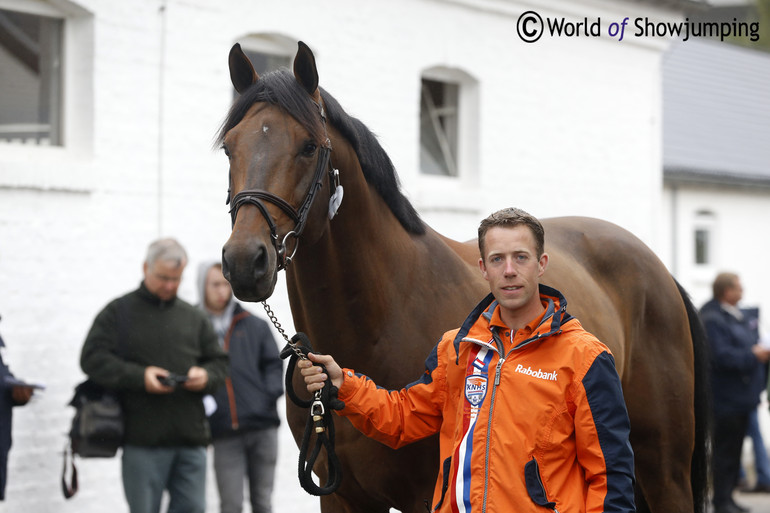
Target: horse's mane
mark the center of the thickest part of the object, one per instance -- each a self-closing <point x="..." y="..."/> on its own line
<point x="282" y="89"/>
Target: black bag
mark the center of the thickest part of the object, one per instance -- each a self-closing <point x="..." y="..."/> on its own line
<point x="96" y="432"/>
<point x="97" y="429"/>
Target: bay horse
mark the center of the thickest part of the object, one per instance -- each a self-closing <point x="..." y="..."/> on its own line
<point x="376" y="287"/>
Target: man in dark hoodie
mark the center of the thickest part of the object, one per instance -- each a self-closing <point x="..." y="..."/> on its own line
<point x="136" y="344"/>
<point x="245" y="423"/>
<point x="736" y="382"/>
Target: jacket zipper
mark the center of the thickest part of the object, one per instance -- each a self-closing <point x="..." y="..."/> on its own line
<point x="500" y="350"/>
<point x="540" y="481"/>
<point x="498" y="367"/>
<point x="489" y="432"/>
<point x="498" y="371"/>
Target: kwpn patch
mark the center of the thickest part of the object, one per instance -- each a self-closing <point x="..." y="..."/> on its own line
<point x="475" y="389"/>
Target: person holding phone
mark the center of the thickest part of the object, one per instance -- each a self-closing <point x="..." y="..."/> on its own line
<point x="137" y="345"/>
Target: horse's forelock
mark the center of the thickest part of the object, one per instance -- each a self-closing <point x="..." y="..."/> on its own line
<point x="278" y="88"/>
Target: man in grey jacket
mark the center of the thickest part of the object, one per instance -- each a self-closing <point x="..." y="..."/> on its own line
<point x="245" y="423"/>
<point x="137" y="342"/>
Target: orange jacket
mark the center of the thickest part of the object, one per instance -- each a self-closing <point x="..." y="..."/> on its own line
<point x="529" y="421"/>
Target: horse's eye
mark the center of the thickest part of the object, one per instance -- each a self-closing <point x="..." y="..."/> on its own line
<point x="309" y="149"/>
<point x="227" y="152"/>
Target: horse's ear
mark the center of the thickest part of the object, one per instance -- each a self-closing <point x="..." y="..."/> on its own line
<point x="242" y="73"/>
<point x="305" y="70"/>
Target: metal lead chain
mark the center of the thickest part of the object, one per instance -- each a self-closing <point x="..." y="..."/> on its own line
<point x="274" y="320"/>
<point x="317" y="409"/>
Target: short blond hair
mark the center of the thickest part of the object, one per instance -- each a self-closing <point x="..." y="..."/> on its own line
<point x="510" y="217"/>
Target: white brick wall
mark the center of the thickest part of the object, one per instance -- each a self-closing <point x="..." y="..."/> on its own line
<point x="565" y="127"/>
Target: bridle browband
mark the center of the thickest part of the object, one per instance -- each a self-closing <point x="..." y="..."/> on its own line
<point x="298" y="216"/>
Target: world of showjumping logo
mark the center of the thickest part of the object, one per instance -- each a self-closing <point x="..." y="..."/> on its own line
<point x="531" y="27"/>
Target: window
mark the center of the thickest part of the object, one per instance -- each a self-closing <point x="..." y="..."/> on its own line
<point x="439" y="110"/>
<point x="702" y="246"/>
<point x="703" y="237"/>
<point x="449" y="127"/>
<point x="268" y="52"/>
<point x="31" y="82"/>
<point x="264" y="62"/>
<point x="46" y="94"/>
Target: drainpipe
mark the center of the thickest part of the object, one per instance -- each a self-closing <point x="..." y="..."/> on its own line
<point x="161" y="120"/>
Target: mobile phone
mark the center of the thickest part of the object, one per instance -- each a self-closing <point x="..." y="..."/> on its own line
<point x="172" y="380"/>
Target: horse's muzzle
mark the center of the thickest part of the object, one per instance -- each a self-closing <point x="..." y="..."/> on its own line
<point x="250" y="267"/>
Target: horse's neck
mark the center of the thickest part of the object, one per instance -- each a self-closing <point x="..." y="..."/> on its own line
<point x="368" y="280"/>
<point x="356" y="264"/>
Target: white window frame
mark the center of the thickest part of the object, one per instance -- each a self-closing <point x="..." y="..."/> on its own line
<point x="440" y="194"/>
<point x="68" y="166"/>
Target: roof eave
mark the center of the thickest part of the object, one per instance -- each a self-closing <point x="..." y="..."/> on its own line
<point x="684" y="176"/>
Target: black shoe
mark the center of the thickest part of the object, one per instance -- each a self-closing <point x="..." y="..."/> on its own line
<point x="759" y="488"/>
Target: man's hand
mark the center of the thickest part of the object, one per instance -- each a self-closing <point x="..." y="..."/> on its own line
<point x="314" y="377"/>
<point x="762" y="353"/>
<point x="197" y="379"/>
<point x="151" y="383"/>
<point x="21" y="394"/>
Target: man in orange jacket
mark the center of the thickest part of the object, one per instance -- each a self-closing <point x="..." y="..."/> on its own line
<point x="528" y="404"/>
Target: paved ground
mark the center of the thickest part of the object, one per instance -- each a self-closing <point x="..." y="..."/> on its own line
<point x="758" y="502"/>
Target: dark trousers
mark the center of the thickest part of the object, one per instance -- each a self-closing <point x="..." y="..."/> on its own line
<point x="729" y="431"/>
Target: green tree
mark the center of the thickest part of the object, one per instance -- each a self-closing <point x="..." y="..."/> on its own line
<point x="758" y="14"/>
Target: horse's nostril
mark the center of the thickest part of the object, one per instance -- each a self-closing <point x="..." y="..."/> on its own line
<point x="225" y="266"/>
<point x="260" y="262"/>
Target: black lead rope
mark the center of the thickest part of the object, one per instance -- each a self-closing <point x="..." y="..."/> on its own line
<point x="319" y="421"/>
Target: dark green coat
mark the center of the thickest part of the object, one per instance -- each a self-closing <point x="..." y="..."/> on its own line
<point x="173" y="335"/>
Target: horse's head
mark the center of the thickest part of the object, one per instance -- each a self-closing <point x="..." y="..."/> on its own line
<point x="276" y="141"/>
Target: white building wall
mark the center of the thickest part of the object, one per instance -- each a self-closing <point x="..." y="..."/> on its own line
<point x="739" y="243"/>
<point x="565" y="127"/>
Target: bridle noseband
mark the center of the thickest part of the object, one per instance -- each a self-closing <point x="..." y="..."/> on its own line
<point x="299" y="216"/>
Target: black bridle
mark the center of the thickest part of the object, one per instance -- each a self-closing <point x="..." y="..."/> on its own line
<point x="299" y="216"/>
